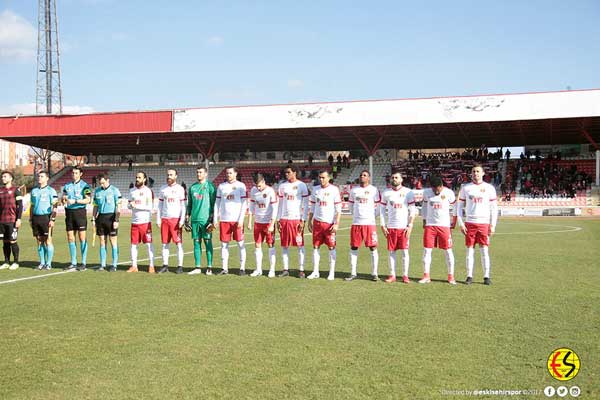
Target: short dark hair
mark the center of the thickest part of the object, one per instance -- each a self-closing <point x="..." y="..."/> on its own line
<point x="77" y="168"/>
<point x="44" y="172"/>
<point x="233" y="167"/>
<point x="202" y="167"/>
<point x="172" y="169"/>
<point x="363" y="171"/>
<point x="293" y="168"/>
<point x="436" y="181"/>
<point x="8" y="173"/>
<point x="324" y="171"/>
<point x="103" y="175"/>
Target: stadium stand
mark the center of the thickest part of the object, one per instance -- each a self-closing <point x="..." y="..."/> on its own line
<point x="547" y="183"/>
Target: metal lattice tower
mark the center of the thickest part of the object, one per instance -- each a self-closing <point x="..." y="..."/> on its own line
<point x="48" y="87"/>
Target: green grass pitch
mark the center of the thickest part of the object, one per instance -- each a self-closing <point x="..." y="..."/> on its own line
<point x="90" y="335"/>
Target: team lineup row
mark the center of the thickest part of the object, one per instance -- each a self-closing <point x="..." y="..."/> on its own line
<point x="289" y="210"/>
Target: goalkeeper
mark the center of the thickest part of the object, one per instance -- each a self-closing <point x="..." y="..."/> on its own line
<point x="199" y="216"/>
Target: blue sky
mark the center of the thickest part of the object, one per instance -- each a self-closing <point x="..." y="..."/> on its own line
<point x="133" y="54"/>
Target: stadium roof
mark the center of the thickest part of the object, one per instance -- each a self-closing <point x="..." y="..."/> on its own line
<point x="567" y="117"/>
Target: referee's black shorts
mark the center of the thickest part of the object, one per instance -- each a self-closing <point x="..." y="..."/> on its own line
<point x="104" y="225"/>
<point x="39" y="225"/>
<point x="76" y="220"/>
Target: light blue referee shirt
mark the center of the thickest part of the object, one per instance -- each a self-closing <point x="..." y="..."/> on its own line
<point x="107" y="199"/>
<point x="76" y="191"/>
<point x="42" y="199"/>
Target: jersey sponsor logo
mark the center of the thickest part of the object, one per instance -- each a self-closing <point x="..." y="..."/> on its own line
<point x="198" y="196"/>
<point x="230" y="197"/>
<point x="290" y="197"/>
<point x="264" y="196"/>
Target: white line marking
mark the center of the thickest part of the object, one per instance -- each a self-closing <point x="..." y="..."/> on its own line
<point x="570" y="229"/>
<point x="36" y="277"/>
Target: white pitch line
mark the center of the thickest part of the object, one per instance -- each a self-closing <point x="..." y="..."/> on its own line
<point x="121" y="263"/>
<point x="36" y="277"/>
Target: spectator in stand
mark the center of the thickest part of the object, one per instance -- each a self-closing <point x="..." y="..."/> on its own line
<point x="330" y="160"/>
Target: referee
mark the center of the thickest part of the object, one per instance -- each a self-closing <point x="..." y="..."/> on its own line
<point x="75" y="196"/>
<point x="106" y="219"/>
<point x="42" y="215"/>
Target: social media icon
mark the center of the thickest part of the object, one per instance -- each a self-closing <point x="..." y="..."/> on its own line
<point x="549" y="391"/>
<point x="575" y="391"/>
<point x="562" y="391"/>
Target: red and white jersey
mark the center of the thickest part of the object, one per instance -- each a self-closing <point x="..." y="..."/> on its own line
<point x="438" y="208"/>
<point x="325" y="203"/>
<point x="263" y="204"/>
<point x="141" y="201"/>
<point x="293" y="200"/>
<point x="231" y="201"/>
<point x="364" y="203"/>
<point x="479" y="203"/>
<point x="397" y="205"/>
<point x="171" y="202"/>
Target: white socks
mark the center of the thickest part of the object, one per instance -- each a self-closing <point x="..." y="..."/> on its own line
<point x="225" y="255"/>
<point x="426" y="260"/>
<point x="450" y="261"/>
<point x="405" y="262"/>
<point x="258" y="254"/>
<point x="150" y="253"/>
<point x="285" y="257"/>
<point x="242" y="255"/>
<point x="134" y="254"/>
<point x="316" y="260"/>
<point x="301" y="255"/>
<point x="470" y="261"/>
<point x="374" y="261"/>
<point x="165" y="253"/>
<point x="392" y="262"/>
<point x="353" y="260"/>
<point x="272" y="258"/>
<point x="332" y="258"/>
<point x="485" y="261"/>
<point x="180" y="254"/>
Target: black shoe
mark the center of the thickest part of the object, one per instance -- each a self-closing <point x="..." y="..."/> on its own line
<point x="164" y="269"/>
<point x="179" y="270"/>
<point x="469" y="281"/>
<point x="375" y="278"/>
<point x="487" y="281"/>
<point x="301" y="275"/>
<point x="224" y="272"/>
<point x="112" y="269"/>
<point x="350" y="278"/>
<point x="284" y="273"/>
<point x="242" y="272"/>
<point x="81" y="268"/>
